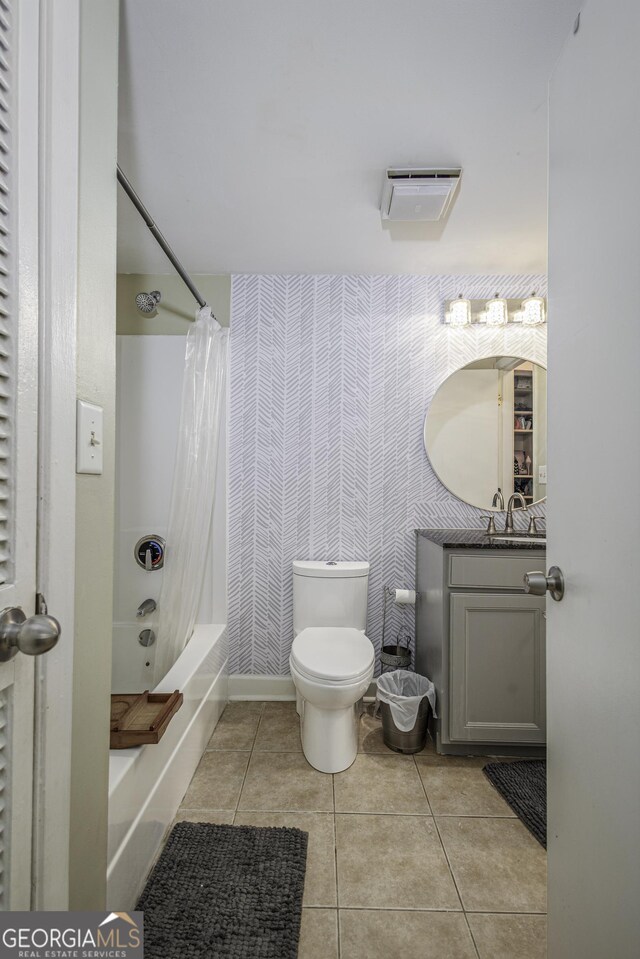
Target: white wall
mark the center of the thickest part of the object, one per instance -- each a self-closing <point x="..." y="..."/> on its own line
<point x="149" y="387"/>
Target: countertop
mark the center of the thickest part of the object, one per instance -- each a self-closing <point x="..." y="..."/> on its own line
<point x="473" y="539"/>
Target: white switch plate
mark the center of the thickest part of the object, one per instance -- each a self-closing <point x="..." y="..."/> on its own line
<point x="542" y="474"/>
<point x="89" y="438"/>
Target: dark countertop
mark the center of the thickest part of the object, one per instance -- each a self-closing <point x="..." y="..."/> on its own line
<point x="473" y="539"/>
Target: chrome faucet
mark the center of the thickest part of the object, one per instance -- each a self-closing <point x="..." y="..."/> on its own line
<point x="508" y="526"/>
<point x="145" y="607"/>
<point x="498" y="499"/>
<point x="533" y="527"/>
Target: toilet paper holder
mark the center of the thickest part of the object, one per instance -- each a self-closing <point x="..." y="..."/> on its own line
<point x="397" y="655"/>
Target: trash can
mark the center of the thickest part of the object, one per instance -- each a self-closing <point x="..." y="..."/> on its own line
<point x="405" y="699"/>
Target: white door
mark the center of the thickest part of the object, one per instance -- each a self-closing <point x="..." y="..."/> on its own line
<point x="18" y="431"/>
<point x="23" y="633"/>
<point x="593" y="634"/>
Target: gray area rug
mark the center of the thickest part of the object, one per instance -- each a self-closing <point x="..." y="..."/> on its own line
<point x="523" y="785"/>
<point x="225" y="892"/>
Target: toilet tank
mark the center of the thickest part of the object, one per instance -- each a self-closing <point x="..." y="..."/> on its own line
<point x="329" y="594"/>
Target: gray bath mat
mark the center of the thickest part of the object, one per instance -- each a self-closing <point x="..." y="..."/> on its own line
<point x="225" y="892"/>
<point x="523" y="785"/>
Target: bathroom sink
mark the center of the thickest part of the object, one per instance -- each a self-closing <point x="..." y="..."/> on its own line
<point x="539" y="538"/>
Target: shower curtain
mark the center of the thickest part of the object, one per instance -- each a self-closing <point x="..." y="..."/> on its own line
<point x="194" y="487"/>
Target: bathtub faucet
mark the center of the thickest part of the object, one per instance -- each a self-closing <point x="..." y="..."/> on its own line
<point x="147" y="606"/>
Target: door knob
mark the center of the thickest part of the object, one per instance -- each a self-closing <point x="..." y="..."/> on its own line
<point x="33" y="636"/>
<point x="537" y="583"/>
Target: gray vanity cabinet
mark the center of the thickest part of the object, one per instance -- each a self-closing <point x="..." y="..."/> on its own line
<point x="481" y="640"/>
<point x="497" y="668"/>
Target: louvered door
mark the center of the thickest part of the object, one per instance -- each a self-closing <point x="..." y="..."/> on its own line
<point x="18" y="427"/>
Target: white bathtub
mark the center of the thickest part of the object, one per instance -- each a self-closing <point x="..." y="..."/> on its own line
<point x="146" y="784"/>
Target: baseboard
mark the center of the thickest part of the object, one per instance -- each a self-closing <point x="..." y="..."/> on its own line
<point x="247" y="687"/>
<point x="243" y="686"/>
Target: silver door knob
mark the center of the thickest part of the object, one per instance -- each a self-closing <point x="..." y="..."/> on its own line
<point x="33" y="636"/>
<point x="537" y="583"/>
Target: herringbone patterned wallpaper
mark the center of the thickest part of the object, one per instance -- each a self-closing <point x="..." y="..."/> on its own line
<point x="331" y="377"/>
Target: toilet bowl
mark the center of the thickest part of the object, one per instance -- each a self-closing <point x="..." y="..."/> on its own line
<point x="331" y="669"/>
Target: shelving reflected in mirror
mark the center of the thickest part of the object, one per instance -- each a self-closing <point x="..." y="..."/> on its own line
<point x="485" y="432"/>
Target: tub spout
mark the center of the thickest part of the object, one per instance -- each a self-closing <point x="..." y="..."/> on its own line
<point x="145" y="607"/>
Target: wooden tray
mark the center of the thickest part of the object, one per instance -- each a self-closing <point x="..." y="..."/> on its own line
<point x="139" y="719"/>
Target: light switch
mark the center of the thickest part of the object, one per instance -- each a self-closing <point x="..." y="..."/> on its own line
<point x="542" y="474"/>
<point x="89" y="438"/>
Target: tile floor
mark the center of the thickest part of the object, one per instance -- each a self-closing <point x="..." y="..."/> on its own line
<point x="410" y="856"/>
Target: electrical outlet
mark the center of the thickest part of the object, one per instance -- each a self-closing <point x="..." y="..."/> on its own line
<point x="542" y="474"/>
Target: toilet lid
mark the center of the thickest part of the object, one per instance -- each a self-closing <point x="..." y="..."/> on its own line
<point x="332" y="653"/>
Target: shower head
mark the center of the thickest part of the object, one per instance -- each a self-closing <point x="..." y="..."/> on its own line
<point x="147" y="302"/>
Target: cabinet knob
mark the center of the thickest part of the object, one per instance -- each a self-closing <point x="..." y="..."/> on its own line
<point x="537" y="584"/>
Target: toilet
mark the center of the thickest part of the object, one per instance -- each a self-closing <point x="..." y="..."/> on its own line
<point x="332" y="660"/>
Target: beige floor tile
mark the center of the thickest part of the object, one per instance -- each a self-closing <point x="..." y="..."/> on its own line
<point x="509" y="937"/>
<point x="461" y="791"/>
<point x="319" y="934"/>
<point x="370" y="735"/>
<point x="382" y="934"/>
<point x="205" y="815"/>
<point x="497" y="864"/>
<point x="237" y="726"/>
<point x="392" y="862"/>
<point x="429" y="756"/>
<point x="320" y="880"/>
<point x="380" y="784"/>
<point x="217" y="781"/>
<point x="279" y="729"/>
<point x="281" y="781"/>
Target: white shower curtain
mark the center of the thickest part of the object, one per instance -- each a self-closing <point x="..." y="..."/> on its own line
<point x="194" y="487"/>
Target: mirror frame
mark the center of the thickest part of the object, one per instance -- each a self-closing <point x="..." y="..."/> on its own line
<point x="489" y="509"/>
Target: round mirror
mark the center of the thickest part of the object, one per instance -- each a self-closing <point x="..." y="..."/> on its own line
<point x="486" y="432"/>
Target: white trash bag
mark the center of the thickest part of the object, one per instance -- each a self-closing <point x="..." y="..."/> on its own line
<point x="404" y="691"/>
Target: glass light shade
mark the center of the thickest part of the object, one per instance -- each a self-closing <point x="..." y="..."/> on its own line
<point x="518" y="316"/>
<point x="497" y="311"/>
<point x="533" y="310"/>
<point x="459" y="312"/>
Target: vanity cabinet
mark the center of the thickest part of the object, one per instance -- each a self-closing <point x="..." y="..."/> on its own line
<point x="497" y="668"/>
<point x="481" y="639"/>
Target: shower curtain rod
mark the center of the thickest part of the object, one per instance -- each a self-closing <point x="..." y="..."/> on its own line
<point x="155" y="232"/>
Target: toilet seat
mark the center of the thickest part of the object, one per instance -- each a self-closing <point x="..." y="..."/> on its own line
<point x="333" y="655"/>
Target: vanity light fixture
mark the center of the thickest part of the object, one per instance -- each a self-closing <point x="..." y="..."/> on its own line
<point x="497" y="311"/>
<point x="533" y="310"/>
<point x="459" y="312"/>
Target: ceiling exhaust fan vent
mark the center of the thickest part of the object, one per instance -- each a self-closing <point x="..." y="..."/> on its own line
<point x="415" y="193"/>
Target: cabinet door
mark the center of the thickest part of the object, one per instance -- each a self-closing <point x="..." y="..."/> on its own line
<point x="497" y="677"/>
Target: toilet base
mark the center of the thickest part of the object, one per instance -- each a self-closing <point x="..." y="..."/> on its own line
<point x="329" y="736"/>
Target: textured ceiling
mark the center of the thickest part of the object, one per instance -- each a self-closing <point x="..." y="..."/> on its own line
<point x="257" y="131"/>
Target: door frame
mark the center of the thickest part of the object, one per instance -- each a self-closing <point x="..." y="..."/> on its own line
<point x="58" y="149"/>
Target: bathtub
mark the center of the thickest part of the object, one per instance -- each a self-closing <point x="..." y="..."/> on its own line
<point x="147" y="783"/>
